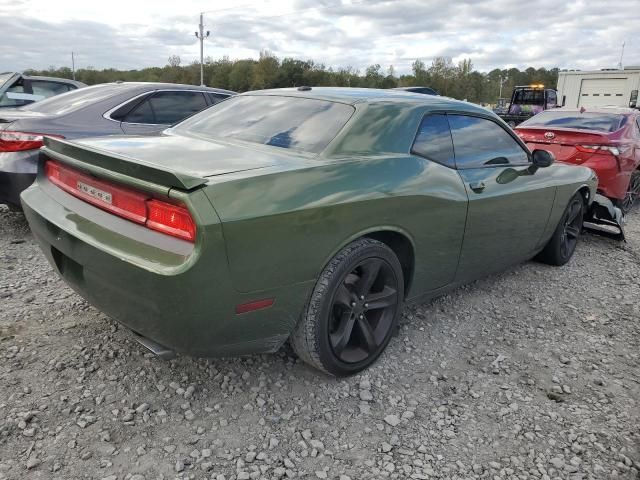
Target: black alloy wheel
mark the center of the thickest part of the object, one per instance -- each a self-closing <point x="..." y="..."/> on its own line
<point x="353" y="310"/>
<point x="572" y="227"/>
<point x="562" y="244"/>
<point x="363" y="310"/>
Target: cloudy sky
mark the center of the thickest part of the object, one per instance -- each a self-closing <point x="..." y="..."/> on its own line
<point x="493" y="33"/>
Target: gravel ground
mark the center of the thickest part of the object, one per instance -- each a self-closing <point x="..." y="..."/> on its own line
<point x="534" y="373"/>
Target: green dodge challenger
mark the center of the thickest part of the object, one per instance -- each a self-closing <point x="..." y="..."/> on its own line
<point x="310" y="215"/>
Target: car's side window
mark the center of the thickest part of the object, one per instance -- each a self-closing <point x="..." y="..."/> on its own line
<point x="143" y="113"/>
<point x="217" y="97"/>
<point x="49" y="89"/>
<point x="171" y="107"/>
<point x="480" y="142"/>
<point x="433" y="140"/>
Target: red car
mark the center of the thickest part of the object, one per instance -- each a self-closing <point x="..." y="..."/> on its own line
<point x="606" y="139"/>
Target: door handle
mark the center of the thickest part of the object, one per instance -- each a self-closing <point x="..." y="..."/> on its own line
<point x="477" y="187"/>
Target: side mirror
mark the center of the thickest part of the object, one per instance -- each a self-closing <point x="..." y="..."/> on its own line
<point x="542" y="158"/>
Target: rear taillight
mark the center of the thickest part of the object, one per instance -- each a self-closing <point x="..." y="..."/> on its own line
<point x="121" y="201"/>
<point x="19" y="141"/>
<point x="168" y="218"/>
<point x="598" y="149"/>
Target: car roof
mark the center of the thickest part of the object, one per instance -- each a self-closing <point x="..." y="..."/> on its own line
<point x="353" y="96"/>
<point x="168" y="86"/>
<point x="55" y="79"/>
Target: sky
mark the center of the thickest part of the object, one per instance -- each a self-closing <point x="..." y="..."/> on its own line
<point x="571" y="34"/>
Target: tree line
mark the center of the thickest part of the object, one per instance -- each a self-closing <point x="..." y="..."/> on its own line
<point x="459" y="80"/>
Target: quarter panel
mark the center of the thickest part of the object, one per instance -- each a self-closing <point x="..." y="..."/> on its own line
<point x="282" y="228"/>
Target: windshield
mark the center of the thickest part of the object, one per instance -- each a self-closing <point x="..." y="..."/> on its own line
<point x="70" y="101"/>
<point x="601" y="122"/>
<point x="528" y="96"/>
<point x="5" y="76"/>
<point x="302" y="124"/>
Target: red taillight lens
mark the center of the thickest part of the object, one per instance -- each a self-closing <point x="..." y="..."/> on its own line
<point x="171" y="219"/>
<point x="135" y="206"/>
<point x="121" y="201"/>
<point x="19" y="141"/>
<point x="598" y="148"/>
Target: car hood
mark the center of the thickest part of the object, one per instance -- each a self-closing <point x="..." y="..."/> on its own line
<point x="190" y="155"/>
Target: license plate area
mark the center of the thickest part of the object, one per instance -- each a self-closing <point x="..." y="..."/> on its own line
<point x="94" y="192"/>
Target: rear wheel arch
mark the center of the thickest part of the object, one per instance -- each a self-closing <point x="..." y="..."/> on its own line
<point x="403" y="248"/>
<point x="397" y="239"/>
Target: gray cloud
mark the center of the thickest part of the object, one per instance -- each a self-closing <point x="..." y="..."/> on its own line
<point x="501" y="33"/>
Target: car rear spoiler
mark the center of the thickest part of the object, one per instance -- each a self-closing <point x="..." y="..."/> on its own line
<point x="70" y="153"/>
<point x="603" y="218"/>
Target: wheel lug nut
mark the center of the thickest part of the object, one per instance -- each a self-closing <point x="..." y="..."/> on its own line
<point x="361" y="297"/>
<point x="353" y="304"/>
<point x="366" y="305"/>
<point x="361" y="316"/>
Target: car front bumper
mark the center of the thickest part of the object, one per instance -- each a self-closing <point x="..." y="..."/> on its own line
<point x="153" y="284"/>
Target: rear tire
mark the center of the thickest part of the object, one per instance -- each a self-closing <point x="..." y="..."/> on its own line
<point x="563" y="243"/>
<point x="353" y="310"/>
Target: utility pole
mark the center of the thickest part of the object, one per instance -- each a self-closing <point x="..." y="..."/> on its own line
<point x="201" y="36"/>
<point x="73" y="66"/>
<point x="621" y="55"/>
<point x="502" y="80"/>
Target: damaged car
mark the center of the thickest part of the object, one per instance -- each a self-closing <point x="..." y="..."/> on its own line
<point x="308" y="215"/>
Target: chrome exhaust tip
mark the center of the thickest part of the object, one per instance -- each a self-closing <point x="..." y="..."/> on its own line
<point x="159" y="350"/>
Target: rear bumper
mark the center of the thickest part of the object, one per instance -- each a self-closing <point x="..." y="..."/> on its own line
<point x="12" y="185"/>
<point x="612" y="182"/>
<point x="178" y="298"/>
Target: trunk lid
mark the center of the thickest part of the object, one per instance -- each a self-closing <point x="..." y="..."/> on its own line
<point x="562" y="142"/>
<point x="9" y="115"/>
<point x="170" y="160"/>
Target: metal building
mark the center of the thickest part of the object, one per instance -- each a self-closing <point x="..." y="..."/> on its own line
<point x="599" y="88"/>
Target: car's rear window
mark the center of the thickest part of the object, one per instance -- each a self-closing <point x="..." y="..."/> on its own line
<point x="601" y="122"/>
<point x="301" y="124"/>
<point x="529" y="96"/>
<point x="70" y="101"/>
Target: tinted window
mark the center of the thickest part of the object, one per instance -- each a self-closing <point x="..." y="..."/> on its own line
<point x="424" y="90"/>
<point x="479" y="142"/>
<point x="75" y="99"/>
<point x="143" y="113"/>
<point x="288" y="122"/>
<point x="433" y="140"/>
<point x="171" y="107"/>
<point x="529" y="97"/>
<point x="48" y="89"/>
<point x="217" y="97"/>
<point x="16" y="96"/>
<point x="552" y="99"/>
<point x="603" y="122"/>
